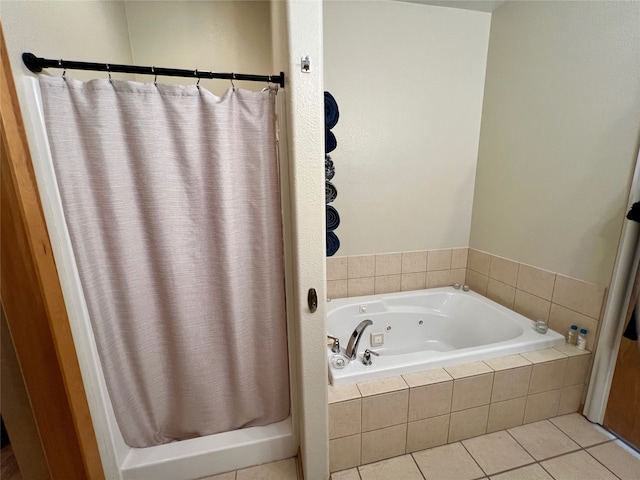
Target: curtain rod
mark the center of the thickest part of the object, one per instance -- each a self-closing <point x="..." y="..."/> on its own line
<point x="36" y="64"/>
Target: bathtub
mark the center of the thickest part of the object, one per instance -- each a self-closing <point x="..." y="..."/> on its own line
<point x="426" y="329"/>
<point x="183" y="460"/>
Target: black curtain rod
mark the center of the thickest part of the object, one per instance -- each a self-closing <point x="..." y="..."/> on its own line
<point x="36" y="64"/>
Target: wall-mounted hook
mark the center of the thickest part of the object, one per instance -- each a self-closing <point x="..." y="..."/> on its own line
<point x="305" y="64"/>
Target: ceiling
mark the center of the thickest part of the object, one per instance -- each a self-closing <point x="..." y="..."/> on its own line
<point x="477" y="5"/>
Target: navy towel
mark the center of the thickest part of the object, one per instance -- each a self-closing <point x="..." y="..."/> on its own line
<point x="333" y="219"/>
<point x="331" y="113"/>
<point x="330" y="142"/>
<point x="333" y="244"/>
<point x="329" y="169"/>
<point x="330" y="192"/>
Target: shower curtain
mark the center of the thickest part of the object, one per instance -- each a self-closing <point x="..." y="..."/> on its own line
<point x="172" y="200"/>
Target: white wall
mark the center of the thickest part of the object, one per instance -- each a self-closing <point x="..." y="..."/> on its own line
<point x="219" y="36"/>
<point x="408" y="80"/>
<point x="560" y="130"/>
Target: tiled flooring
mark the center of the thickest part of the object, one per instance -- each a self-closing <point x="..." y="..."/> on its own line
<point x="561" y="448"/>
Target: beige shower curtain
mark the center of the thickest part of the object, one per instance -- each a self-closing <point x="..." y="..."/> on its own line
<point x="172" y="199"/>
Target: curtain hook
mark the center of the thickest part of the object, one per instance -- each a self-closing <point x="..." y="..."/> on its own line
<point x="233" y="77"/>
<point x="198" y="82"/>
<point x="64" y="72"/>
<point x="109" y="71"/>
<point x="155" y="78"/>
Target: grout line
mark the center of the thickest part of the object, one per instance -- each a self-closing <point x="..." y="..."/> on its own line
<point x="598" y="461"/>
<point x="472" y="457"/>
<point x="416" y="464"/>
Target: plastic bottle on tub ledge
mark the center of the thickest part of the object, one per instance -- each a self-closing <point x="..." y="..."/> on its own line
<point x="572" y="335"/>
<point x="582" y="339"/>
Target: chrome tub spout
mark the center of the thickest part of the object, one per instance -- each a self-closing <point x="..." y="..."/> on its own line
<point x="354" y="340"/>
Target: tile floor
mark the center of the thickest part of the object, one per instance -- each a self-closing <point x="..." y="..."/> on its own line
<point x="561" y="448"/>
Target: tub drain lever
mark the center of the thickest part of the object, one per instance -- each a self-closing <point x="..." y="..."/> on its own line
<point x="366" y="356"/>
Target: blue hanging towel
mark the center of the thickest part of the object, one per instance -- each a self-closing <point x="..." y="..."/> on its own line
<point x="333" y="219"/>
<point x="331" y="112"/>
<point x="333" y="244"/>
<point x="329" y="169"/>
<point x="330" y="192"/>
<point x="330" y="142"/>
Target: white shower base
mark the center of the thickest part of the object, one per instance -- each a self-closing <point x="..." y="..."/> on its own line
<point x="183" y="460"/>
<point x="204" y="456"/>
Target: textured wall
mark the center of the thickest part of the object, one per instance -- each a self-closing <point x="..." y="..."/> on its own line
<point x="559" y="137"/>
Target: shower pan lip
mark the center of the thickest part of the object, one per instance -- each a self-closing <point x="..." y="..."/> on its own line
<point x="184" y="460"/>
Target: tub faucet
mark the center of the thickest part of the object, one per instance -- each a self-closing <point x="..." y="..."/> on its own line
<point x="354" y="340"/>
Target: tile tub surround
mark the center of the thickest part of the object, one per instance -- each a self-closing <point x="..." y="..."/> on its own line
<point x="376" y="420"/>
<point x="537" y="294"/>
<point x="563" y="448"/>
<point x="533" y="292"/>
<point x="395" y="272"/>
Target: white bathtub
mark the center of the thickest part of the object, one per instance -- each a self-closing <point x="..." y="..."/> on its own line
<point x="426" y="329"/>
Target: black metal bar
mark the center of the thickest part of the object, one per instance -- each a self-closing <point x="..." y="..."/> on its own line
<point x="36" y="64"/>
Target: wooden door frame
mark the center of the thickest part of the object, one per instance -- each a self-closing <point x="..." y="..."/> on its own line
<point x="36" y="313"/>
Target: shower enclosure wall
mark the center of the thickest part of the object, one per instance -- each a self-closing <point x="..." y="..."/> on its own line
<point x="187" y="459"/>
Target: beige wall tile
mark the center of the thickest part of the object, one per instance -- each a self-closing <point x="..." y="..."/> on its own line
<point x="440" y="278"/>
<point x="458" y="275"/>
<point x="337" y="268"/>
<point x="360" y="286"/>
<point x="382" y="385"/>
<point x="570" y="399"/>
<point x="459" y="258"/>
<point x="414" y="262"/>
<point x="507" y="414"/>
<point x="361" y="266"/>
<point x="380" y="411"/>
<point x="505" y="363"/>
<point x="501" y="293"/>
<point x="402" y="467"/>
<point x="477" y="282"/>
<point x="337" y="289"/>
<point x="427" y="433"/>
<point x="427" y="377"/>
<point x="344" y="418"/>
<point x="342" y="393"/>
<point x="387" y="284"/>
<point x="561" y="318"/>
<point x="536" y="281"/>
<point x="582" y="297"/>
<point x="511" y="383"/>
<point x="384" y="443"/>
<point x="542" y="405"/>
<point x="388" y="264"/>
<point x="468" y="369"/>
<point x="503" y="270"/>
<point x="344" y="453"/>
<point x="531" y="306"/>
<point x="543" y="440"/>
<point x="413" y="281"/>
<point x="468" y="423"/>
<point x="471" y="392"/>
<point x="282" y="470"/>
<point x="577" y="370"/>
<point x="479" y="262"/>
<point x="545" y="355"/>
<point x="430" y="400"/>
<point x="618" y="458"/>
<point x="436" y="463"/>
<point x="571" y="350"/>
<point x="548" y="376"/>
<point x="439" y="260"/>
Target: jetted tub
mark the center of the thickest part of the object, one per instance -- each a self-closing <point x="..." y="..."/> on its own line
<point x="426" y="329"/>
